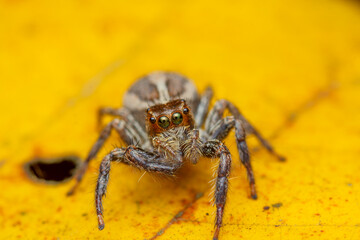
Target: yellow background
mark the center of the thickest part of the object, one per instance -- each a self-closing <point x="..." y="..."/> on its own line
<point x="292" y="67"/>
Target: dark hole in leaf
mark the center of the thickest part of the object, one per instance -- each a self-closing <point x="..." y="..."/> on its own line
<point x="52" y="170"/>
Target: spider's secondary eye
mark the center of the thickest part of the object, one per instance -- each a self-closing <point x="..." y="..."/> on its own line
<point x="164" y="122"/>
<point x="153" y="120"/>
<point x="177" y="118"/>
<point x="186" y="110"/>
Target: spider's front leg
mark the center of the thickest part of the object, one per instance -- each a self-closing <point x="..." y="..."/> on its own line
<point x="216" y="149"/>
<point x="127" y="134"/>
<point x="131" y="155"/>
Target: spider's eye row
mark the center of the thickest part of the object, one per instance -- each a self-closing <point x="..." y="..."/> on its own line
<point x="153" y="120"/>
<point x="177" y="118"/>
<point x="164" y="122"/>
<point x="186" y="110"/>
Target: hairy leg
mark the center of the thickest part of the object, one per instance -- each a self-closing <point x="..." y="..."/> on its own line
<point x="216" y="114"/>
<point x="222" y="130"/>
<point x="131" y="155"/>
<point x="126" y="133"/>
<point x="215" y="148"/>
<point x="116" y="112"/>
<point x="244" y="155"/>
<point x="203" y="107"/>
<point x="124" y="114"/>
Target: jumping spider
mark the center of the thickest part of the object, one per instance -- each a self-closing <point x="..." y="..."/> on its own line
<point x="176" y="128"/>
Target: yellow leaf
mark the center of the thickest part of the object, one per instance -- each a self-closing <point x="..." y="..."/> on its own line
<point x="293" y="68"/>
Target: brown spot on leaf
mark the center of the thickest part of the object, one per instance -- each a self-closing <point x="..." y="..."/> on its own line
<point x="265" y="208"/>
<point x="277" y="205"/>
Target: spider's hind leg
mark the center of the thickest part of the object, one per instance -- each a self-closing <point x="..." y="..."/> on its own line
<point x="218" y="127"/>
<point x="203" y="106"/>
<point x="124" y="114"/>
<point x="244" y="155"/>
<point x="221" y="131"/>
<point x="216" y="114"/>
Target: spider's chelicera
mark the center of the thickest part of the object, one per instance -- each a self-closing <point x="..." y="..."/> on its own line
<point x="176" y="128"/>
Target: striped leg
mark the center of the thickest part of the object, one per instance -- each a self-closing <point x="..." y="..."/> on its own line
<point x="127" y="134"/>
<point x="124" y="114"/>
<point x="222" y="130"/>
<point x="216" y="114"/>
<point x="131" y="155"/>
<point x="203" y="106"/>
<point x="212" y="149"/>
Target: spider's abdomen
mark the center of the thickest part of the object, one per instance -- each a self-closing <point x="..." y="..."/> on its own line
<point x="159" y="88"/>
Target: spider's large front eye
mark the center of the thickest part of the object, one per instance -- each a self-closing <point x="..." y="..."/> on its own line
<point x="164" y="122"/>
<point x="177" y="118"/>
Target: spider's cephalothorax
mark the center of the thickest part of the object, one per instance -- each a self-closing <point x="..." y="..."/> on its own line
<point x="177" y="127"/>
<point x="163" y="117"/>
